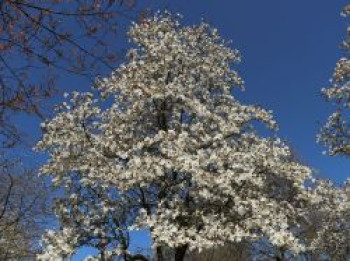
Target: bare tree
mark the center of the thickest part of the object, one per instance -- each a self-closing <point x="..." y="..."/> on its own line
<point x="24" y="211"/>
<point x="40" y="38"/>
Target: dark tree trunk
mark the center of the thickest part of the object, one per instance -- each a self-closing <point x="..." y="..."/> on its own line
<point x="180" y="253"/>
<point x="138" y="257"/>
<point x="159" y="254"/>
<point x="280" y="257"/>
<point x="103" y="258"/>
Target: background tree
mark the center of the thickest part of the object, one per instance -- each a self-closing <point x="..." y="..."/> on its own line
<point x="333" y="212"/>
<point x="40" y="39"/>
<point x="24" y="211"/>
<point x="323" y="228"/>
<point x="176" y="139"/>
<point x="335" y="134"/>
<point x="333" y="236"/>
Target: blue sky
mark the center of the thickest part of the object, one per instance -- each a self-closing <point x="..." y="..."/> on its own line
<point x="289" y="50"/>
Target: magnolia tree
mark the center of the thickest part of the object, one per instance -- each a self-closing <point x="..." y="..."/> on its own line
<point x="178" y="147"/>
<point x="334" y="236"/>
<point x="335" y="134"/>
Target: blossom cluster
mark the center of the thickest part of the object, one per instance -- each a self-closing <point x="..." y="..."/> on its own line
<point x="178" y="145"/>
<point x="334" y="134"/>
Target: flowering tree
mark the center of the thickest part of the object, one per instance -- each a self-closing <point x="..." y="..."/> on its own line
<point x="232" y="251"/>
<point x="335" y="134"/>
<point x="179" y="146"/>
<point x="333" y="237"/>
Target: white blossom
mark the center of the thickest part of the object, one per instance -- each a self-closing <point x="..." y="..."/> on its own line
<point x="178" y="141"/>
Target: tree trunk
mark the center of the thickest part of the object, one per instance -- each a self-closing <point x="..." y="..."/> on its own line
<point x="103" y="258"/>
<point x="180" y="253"/>
<point x="137" y="257"/>
<point x="280" y="258"/>
<point x="159" y="254"/>
<point x="280" y="255"/>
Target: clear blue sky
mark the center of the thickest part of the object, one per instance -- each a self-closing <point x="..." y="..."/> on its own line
<point x="289" y="50"/>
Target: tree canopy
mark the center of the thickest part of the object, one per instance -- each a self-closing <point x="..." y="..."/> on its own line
<point x="180" y="150"/>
